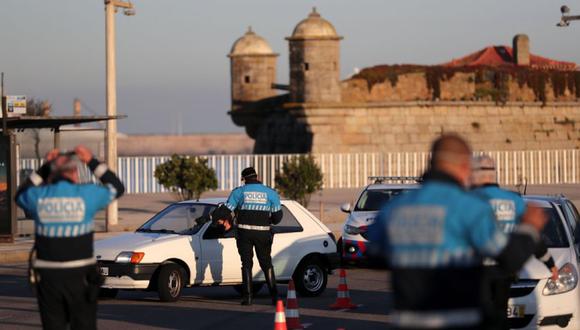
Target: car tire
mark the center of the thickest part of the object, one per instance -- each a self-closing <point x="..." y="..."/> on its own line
<point x="105" y="293"/>
<point x="256" y="287"/>
<point x="170" y="282"/>
<point x="310" y="277"/>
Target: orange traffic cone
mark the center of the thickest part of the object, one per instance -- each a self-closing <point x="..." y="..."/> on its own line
<point x="292" y="314"/>
<point x="343" y="296"/>
<point x="280" y="318"/>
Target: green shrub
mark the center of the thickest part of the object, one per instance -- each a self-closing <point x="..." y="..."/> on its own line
<point x="189" y="177"/>
<point x="299" y="179"/>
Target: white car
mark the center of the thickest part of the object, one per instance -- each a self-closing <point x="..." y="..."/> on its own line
<point x="178" y="247"/>
<point x="537" y="301"/>
<point x="353" y="243"/>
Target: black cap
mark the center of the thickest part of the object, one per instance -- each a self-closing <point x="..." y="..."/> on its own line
<point x="249" y="172"/>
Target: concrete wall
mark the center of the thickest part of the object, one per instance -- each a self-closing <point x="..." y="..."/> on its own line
<point x="163" y="145"/>
<point x="411" y="126"/>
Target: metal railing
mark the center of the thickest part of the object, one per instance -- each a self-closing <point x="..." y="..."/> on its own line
<point x="349" y="170"/>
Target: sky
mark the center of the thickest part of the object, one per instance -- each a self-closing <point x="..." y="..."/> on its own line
<point x="172" y="69"/>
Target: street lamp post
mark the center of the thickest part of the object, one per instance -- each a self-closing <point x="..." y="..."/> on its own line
<point x="111" y="131"/>
<point x="566" y="18"/>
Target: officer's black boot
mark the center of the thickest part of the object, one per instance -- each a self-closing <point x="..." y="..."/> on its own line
<point x="246" y="286"/>
<point x="271" y="282"/>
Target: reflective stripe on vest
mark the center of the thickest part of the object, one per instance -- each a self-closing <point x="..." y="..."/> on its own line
<point x="39" y="263"/>
<point x="251" y="227"/>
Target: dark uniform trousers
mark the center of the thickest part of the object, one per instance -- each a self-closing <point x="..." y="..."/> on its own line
<point x="68" y="297"/>
<point x="496" y="294"/>
<point x="262" y="240"/>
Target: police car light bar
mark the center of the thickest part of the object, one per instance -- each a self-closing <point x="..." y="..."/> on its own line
<point x="402" y="179"/>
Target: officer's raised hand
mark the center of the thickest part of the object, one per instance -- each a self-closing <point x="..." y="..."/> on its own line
<point x="52" y="155"/>
<point x="84" y="154"/>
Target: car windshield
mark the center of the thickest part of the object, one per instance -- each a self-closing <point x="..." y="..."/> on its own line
<point x="374" y="199"/>
<point x="553" y="234"/>
<point x="184" y="219"/>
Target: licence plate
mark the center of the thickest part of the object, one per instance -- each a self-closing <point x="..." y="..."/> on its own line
<point x="104" y="271"/>
<point x="516" y="311"/>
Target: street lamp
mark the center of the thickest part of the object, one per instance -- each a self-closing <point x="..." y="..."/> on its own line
<point x="566" y="18"/>
<point x="111" y="132"/>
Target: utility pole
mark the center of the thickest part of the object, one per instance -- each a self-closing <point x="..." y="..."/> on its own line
<point x="111" y="131"/>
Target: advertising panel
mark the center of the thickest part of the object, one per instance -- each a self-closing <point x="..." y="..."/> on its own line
<point x="15" y="105"/>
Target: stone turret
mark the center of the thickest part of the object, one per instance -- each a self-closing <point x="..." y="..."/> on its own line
<point x="314" y="61"/>
<point x="253" y="69"/>
<point x="521" y="48"/>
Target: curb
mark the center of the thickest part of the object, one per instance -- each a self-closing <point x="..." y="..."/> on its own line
<point x="13" y="253"/>
<point x="13" y="257"/>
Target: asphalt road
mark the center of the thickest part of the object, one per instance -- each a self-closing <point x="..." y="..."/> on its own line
<point x="209" y="307"/>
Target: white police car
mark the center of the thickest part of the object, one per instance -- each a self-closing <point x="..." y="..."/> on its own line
<point x="537" y="301"/>
<point x="352" y="245"/>
<point x="179" y="248"/>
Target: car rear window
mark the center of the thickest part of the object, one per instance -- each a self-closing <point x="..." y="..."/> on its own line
<point x="554" y="234"/>
<point x="373" y="200"/>
<point x="289" y="223"/>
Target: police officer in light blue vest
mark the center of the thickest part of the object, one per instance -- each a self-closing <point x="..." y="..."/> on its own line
<point x="256" y="207"/>
<point x="509" y="208"/>
<point x="66" y="275"/>
<point x="434" y="238"/>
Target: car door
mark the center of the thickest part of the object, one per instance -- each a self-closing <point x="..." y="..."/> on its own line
<point x="220" y="261"/>
<point x="286" y="245"/>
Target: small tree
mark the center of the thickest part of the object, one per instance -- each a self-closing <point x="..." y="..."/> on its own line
<point x="299" y="179"/>
<point x="189" y="177"/>
<point x="38" y="109"/>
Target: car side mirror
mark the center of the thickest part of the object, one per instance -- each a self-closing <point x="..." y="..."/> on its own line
<point x="345" y="208"/>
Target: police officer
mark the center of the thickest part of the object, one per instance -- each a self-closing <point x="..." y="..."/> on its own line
<point x="256" y="207"/>
<point x="509" y="207"/>
<point x="433" y="238"/>
<point x="67" y="279"/>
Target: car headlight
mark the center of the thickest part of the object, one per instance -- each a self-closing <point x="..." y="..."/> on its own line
<point x="567" y="281"/>
<point x="126" y="257"/>
<point x="352" y="230"/>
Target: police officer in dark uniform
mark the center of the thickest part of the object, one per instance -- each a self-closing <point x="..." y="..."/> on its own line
<point x="256" y="207"/>
<point x="433" y="240"/>
<point x="509" y="208"/>
<point x="66" y="276"/>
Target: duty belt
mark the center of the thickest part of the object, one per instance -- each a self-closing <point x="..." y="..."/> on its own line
<point x="251" y="227"/>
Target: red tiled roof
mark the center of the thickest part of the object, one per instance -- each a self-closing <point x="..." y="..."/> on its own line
<point x="503" y="56"/>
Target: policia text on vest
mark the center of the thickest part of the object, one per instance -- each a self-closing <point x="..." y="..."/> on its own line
<point x="65" y="271"/>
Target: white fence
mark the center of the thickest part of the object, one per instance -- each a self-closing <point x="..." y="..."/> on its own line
<point x="351" y="170"/>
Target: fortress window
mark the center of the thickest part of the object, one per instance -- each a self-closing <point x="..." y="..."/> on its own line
<point x="306" y="66"/>
<point x="247" y="79"/>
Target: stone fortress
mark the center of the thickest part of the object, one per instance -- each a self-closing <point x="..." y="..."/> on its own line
<point x="500" y="98"/>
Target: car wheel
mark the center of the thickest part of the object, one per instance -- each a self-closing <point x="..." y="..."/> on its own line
<point x="108" y="293"/>
<point x="310" y="277"/>
<point x="170" y="282"/>
<point x="256" y="287"/>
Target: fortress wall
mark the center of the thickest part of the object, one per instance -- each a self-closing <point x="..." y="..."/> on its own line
<point x="459" y="87"/>
<point x="407" y="127"/>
